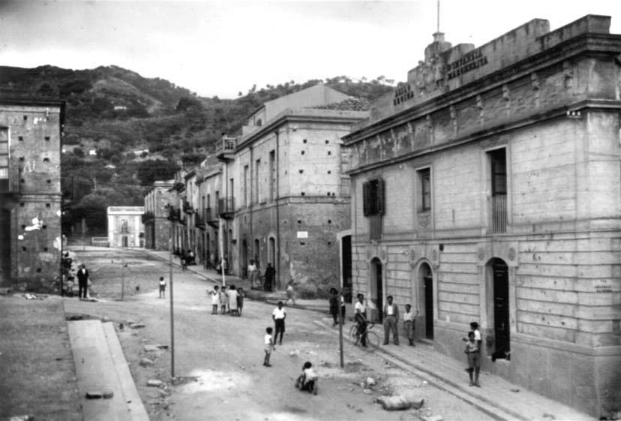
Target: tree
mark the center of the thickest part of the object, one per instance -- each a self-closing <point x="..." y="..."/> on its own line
<point x="157" y="169"/>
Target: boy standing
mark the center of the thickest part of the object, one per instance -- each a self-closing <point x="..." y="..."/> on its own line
<point x="269" y="346"/>
<point x="279" y="315"/>
<point x="162" y="287"/>
<point x="474" y="362"/>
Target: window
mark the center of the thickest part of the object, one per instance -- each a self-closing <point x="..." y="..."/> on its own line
<point x="256" y="181"/>
<point x="425" y="189"/>
<point x="373" y="197"/>
<point x="246" y="183"/>
<point x="272" y="176"/>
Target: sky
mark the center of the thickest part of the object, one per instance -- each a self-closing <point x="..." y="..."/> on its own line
<point x="221" y="48"/>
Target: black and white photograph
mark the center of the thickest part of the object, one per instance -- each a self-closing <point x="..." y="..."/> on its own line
<point x="310" y="210"/>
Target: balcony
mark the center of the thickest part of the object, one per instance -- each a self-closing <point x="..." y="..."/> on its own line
<point x="199" y="221"/>
<point x="225" y="148"/>
<point x="498" y="215"/>
<point x="226" y="208"/>
<point x="174" y="214"/>
<point x="9" y="181"/>
<point x="211" y="217"/>
<point x="187" y="207"/>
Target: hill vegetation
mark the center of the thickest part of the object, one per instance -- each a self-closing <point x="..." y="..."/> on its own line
<point x="123" y="131"/>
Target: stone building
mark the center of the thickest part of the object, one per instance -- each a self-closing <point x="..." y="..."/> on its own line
<point x="155" y="218"/>
<point x="282" y="196"/>
<point x="487" y="188"/>
<point x="125" y="227"/>
<point x="30" y="193"/>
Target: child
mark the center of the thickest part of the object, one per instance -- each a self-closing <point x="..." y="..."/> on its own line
<point x="224" y="301"/>
<point x="290" y="293"/>
<point x="474" y="363"/>
<point x="240" y="300"/>
<point x="269" y="346"/>
<point x="308" y="380"/>
<point x="162" y="287"/>
<point x="215" y="299"/>
<point x="409" y="323"/>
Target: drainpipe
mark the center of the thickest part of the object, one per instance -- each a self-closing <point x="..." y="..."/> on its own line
<point x="278" y="273"/>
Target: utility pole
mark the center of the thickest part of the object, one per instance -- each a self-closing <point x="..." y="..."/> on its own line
<point x="124" y="231"/>
<point x="172" y="320"/>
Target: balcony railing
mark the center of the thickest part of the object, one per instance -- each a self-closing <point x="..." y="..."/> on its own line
<point x="226" y="207"/>
<point x="174" y="214"/>
<point x="211" y="217"/>
<point x="498" y="215"/>
<point x="199" y="221"/>
<point x="187" y="207"/>
<point x="225" y="148"/>
<point x="9" y="180"/>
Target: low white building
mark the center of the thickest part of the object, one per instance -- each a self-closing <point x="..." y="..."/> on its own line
<point x="125" y="227"/>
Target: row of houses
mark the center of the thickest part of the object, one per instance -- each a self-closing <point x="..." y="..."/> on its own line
<point x="486" y="188"/>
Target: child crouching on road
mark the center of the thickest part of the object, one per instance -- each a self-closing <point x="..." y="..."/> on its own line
<point x="308" y="380"/>
<point x="269" y="346"/>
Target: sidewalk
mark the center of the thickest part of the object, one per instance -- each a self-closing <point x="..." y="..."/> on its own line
<point x="497" y="396"/>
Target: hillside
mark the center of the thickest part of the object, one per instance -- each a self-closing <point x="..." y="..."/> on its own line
<point x="123" y="131"/>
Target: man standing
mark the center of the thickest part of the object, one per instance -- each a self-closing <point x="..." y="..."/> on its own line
<point x="361" y="319"/>
<point x="391" y="318"/>
<point x="270" y="274"/>
<point x="279" y="315"/>
<point x="82" y="281"/>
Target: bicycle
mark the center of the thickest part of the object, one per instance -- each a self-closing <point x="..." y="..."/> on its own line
<point x="372" y="338"/>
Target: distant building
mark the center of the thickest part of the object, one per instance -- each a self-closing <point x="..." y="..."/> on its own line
<point x="30" y="192"/>
<point x="157" y="201"/>
<point x="125" y="227"/>
<point x="487" y="188"/>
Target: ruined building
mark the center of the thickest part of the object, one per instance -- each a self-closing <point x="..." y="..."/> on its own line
<point x="30" y="193"/>
<point x="487" y="188"/>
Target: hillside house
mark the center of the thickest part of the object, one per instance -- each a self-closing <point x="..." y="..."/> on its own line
<point x="487" y="188"/>
<point x="125" y="227"/>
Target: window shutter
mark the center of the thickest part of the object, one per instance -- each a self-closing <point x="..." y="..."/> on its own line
<point x="365" y="198"/>
<point x="381" y="209"/>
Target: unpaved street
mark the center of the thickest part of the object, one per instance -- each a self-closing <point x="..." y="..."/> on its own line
<point x="218" y="359"/>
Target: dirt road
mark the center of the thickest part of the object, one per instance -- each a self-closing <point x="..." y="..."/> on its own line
<point x="218" y="358"/>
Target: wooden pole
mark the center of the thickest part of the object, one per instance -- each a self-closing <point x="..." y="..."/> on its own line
<point x="172" y="319"/>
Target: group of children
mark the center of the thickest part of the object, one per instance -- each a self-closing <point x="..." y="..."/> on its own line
<point x="227" y="300"/>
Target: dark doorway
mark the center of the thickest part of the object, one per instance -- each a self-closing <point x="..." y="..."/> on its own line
<point x="5" y="247"/>
<point x="377" y="287"/>
<point x="501" y="306"/>
<point x="124" y="241"/>
<point x="244" y="259"/>
<point x="346" y="268"/>
<point x="428" y="286"/>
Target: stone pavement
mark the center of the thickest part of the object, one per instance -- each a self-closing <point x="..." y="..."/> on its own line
<point x="496" y="396"/>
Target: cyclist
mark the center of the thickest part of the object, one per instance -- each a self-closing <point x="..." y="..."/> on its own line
<point x="361" y="319"/>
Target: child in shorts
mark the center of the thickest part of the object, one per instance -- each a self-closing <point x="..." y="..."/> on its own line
<point x="474" y="361"/>
<point x="162" y="287"/>
<point x="240" y="300"/>
<point x="269" y="346"/>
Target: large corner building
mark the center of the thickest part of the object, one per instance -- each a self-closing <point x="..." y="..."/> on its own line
<point x="487" y="188"/>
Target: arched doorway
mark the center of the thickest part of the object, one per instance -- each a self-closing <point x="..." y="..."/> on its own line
<point x="377" y="289"/>
<point x="498" y="302"/>
<point x="426" y="300"/>
<point x="271" y="252"/>
<point x="244" y="258"/>
<point x="257" y="252"/>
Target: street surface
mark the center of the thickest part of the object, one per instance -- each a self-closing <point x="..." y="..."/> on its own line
<point x="218" y="370"/>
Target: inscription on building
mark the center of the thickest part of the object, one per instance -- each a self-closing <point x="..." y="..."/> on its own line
<point x="402" y="94"/>
<point x="470" y="61"/>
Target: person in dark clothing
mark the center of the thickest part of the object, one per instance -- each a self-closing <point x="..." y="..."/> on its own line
<point x="334" y="306"/>
<point x="270" y="273"/>
<point x="82" y="281"/>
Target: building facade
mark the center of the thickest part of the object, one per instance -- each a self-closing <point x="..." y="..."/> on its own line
<point x="30" y="192"/>
<point x="125" y="227"/>
<point x="155" y="218"/>
<point x="281" y="193"/>
<point x="487" y="188"/>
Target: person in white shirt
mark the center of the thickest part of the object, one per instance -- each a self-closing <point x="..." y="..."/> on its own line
<point x="391" y="320"/>
<point x="279" y="315"/>
<point x="409" y="323"/>
<point x="308" y="380"/>
<point x="215" y="299"/>
<point x="360" y="317"/>
<point x="269" y="346"/>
